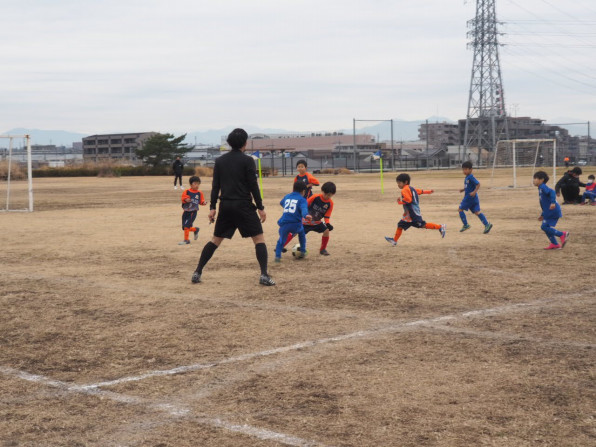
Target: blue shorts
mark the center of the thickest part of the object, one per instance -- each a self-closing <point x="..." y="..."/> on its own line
<point x="470" y="203"/>
<point x="550" y="222"/>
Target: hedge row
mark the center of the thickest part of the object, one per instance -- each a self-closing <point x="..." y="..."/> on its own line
<point x="107" y="171"/>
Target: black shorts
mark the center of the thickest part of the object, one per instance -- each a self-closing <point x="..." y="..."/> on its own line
<point x="319" y="228"/>
<point x="237" y="214"/>
<point x="404" y="224"/>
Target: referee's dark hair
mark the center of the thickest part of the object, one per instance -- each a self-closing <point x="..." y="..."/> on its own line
<point x="237" y="139"/>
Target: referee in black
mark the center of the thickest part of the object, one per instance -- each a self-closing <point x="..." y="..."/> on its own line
<point x="235" y="181"/>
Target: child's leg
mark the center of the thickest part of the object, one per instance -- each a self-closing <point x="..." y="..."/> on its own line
<point x="283" y="235"/>
<point x="481" y="217"/>
<point x="462" y="216"/>
<point x="551" y="232"/>
<point x="398" y="233"/>
<point x="324" y="240"/>
<point x="186" y="232"/>
<point x="432" y="226"/>
<point x="302" y="240"/>
<point x="288" y="239"/>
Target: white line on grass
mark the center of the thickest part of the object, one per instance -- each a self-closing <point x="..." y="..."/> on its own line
<point x="169" y="409"/>
<point x="311" y="343"/>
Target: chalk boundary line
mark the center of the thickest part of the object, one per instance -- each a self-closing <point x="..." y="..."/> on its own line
<point x="264" y="434"/>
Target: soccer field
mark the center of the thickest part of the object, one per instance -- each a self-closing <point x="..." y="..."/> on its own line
<point x="474" y="339"/>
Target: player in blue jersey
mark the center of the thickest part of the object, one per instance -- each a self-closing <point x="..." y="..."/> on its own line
<point x="471" y="201"/>
<point x="295" y="210"/>
<point x="551" y="212"/>
<point x="191" y="199"/>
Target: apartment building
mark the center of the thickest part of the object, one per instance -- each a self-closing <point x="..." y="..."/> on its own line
<point x="121" y="146"/>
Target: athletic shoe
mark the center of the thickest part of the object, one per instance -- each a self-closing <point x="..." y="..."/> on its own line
<point x="553" y="247"/>
<point x="443" y="229"/>
<point x="284" y="250"/>
<point x="300" y="255"/>
<point x="323" y="252"/>
<point x="175" y="187"/>
<point x="185" y="242"/>
<point x="196" y="277"/>
<point x="464" y="228"/>
<point x="196" y="234"/>
<point x="487" y="228"/>
<point x="564" y="238"/>
<point x="390" y="240"/>
<point x="266" y="280"/>
<point x="277" y="260"/>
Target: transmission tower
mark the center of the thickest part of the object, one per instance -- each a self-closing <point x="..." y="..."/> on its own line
<point x="486" y="120"/>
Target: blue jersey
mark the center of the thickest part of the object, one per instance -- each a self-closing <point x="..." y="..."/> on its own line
<point x="295" y="209"/>
<point x="470" y="184"/>
<point x="547" y="197"/>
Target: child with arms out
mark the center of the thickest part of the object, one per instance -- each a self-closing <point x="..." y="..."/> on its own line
<point x="412" y="217"/>
<point x="471" y="201"/>
<point x="295" y="210"/>
<point x="551" y="212"/>
<point x="191" y="199"/>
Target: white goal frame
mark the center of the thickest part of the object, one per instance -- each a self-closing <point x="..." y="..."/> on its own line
<point x="513" y="158"/>
<point x="29" y="172"/>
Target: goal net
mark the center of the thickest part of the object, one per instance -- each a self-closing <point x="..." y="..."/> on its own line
<point x="515" y="161"/>
<point x="16" y="185"/>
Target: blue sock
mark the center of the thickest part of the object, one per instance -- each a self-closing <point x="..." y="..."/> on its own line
<point x="462" y="216"/>
<point x="483" y="219"/>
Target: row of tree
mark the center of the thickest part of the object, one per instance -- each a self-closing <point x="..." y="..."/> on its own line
<point x="162" y="148"/>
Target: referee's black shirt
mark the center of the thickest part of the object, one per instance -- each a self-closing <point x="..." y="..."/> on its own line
<point x="235" y="178"/>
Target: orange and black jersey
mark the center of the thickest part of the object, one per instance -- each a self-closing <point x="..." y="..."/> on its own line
<point x="409" y="199"/>
<point x="196" y="198"/>
<point x="307" y="178"/>
<point x="319" y="208"/>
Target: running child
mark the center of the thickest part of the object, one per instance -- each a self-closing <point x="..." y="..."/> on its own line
<point x="471" y="201"/>
<point x="305" y="177"/>
<point x="412" y="217"/>
<point x="191" y="199"/>
<point x="590" y="191"/>
<point x="295" y="210"/>
<point x="551" y="212"/>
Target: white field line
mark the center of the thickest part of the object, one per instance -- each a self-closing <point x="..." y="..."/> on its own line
<point x="511" y="337"/>
<point x="169" y="409"/>
<point x="354" y="335"/>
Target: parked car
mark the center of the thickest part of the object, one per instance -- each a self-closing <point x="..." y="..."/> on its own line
<point x="582" y="163"/>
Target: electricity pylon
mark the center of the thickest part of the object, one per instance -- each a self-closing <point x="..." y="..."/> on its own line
<point x="486" y="120"/>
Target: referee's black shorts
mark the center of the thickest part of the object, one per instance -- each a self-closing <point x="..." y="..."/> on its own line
<point x="237" y="214"/>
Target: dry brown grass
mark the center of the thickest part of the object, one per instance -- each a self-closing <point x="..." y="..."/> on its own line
<point x="204" y="171"/>
<point x="16" y="171"/>
<point x="471" y="340"/>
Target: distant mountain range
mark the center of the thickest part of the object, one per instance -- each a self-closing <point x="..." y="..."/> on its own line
<point x="402" y="131"/>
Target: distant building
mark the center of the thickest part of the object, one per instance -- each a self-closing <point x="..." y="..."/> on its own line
<point x="439" y="135"/>
<point x="120" y="146"/>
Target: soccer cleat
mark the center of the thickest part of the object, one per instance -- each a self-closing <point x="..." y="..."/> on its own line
<point x="196" y="234"/>
<point x="443" y="229"/>
<point x="564" y="238"/>
<point x="277" y="260"/>
<point x="196" y="277"/>
<point x="487" y="228"/>
<point x="323" y="252"/>
<point x="185" y="242"/>
<point x="464" y="228"/>
<point x="266" y="280"/>
<point x="284" y="250"/>
<point x="390" y="240"/>
<point x="553" y="247"/>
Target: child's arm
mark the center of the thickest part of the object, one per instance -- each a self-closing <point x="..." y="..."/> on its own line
<point x="185" y="197"/>
<point x="312" y="181"/>
<point x="425" y="191"/>
<point x="473" y="193"/>
<point x="202" y="198"/>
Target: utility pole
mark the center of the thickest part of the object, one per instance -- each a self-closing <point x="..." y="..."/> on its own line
<point x="486" y="119"/>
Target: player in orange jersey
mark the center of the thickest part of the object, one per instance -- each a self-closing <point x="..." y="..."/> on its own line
<point x="305" y="177"/>
<point x="412" y="217"/>
<point x="191" y="199"/>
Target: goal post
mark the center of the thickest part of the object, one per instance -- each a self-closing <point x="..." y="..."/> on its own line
<point x="9" y="166"/>
<point x="524" y="155"/>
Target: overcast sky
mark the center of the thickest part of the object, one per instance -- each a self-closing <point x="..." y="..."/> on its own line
<point x="100" y="66"/>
